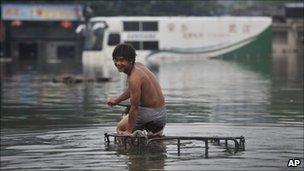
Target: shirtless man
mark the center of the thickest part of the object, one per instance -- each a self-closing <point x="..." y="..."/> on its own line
<point x="147" y="111"/>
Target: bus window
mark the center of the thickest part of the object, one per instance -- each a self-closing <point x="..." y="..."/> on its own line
<point x="135" y="44"/>
<point x="114" y="39"/>
<point x="131" y="26"/>
<point x="150" y="45"/>
<point x="150" y="26"/>
<point x="93" y="38"/>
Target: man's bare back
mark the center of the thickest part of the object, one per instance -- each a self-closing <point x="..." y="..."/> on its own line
<point x="147" y="110"/>
<point x="151" y="94"/>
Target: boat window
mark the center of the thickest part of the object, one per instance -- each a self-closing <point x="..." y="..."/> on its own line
<point x="135" y="44"/>
<point x="131" y="26"/>
<point x="114" y="39"/>
<point x="150" y="26"/>
<point x="150" y="45"/>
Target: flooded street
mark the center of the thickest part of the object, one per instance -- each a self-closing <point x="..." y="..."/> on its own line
<point x="57" y="126"/>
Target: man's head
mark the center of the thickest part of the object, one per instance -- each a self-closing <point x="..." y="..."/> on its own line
<point x="126" y="51"/>
<point x="124" y="57"/>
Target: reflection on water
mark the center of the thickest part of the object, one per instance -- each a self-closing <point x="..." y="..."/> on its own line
<point x="268" y="147"/>
<point x="46" y="125"/>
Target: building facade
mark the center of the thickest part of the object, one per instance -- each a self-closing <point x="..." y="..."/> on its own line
<point x="44" y="32"/>
<point x="288" y="32"/>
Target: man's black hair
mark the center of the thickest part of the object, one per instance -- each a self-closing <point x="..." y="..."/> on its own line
<point x="124" y="50"/>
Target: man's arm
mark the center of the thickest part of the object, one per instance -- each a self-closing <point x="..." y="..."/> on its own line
<point x="124" y="96"/>
<point x="135" y="94"/>
<point x="115" y="100"/>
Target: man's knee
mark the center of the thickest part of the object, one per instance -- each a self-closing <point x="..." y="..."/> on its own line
<point x="121" y="125"/>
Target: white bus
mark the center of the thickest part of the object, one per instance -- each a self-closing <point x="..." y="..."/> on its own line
<point x="171" y="38"/>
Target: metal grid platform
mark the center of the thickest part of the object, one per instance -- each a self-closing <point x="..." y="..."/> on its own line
<point x="143" y="141"/>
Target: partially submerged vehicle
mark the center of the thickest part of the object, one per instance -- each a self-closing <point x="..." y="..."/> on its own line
<point x="158" y="39"/>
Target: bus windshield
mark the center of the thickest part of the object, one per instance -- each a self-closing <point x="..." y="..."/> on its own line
<point x="94" y="36"/>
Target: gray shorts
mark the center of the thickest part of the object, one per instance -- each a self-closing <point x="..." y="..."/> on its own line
<point x="151" y="119"/>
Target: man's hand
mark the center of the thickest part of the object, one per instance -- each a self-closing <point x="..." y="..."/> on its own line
<point x="112" y="101"/>
<point x="127" y="133"/>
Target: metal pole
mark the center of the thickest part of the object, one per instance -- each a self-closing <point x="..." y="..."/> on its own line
<point x="107" y="139"/>
<point x="206" y="148"/>
<point x="125" y="142"/>
<point x="139" y="144"/>
<point x="178" y="147"/>
<point x="226" y="143"/>
<point x="242" y="142"/>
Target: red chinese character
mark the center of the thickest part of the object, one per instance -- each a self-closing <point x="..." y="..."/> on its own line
<point x="246" y="28"/>
<point x="171" y="27"/>
<point x="232" y="28"/>
<point x="184" y="27"/>
<point x="39" y="12"/>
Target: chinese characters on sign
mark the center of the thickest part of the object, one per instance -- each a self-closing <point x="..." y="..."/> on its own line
<point x="245" y="28"/>
<point x="188" y="34"/>
<point x="41" y="12"/>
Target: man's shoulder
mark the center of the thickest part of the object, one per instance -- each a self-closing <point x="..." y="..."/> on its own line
<point x="136" y="75"/>
<point x="139" y="64"/>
